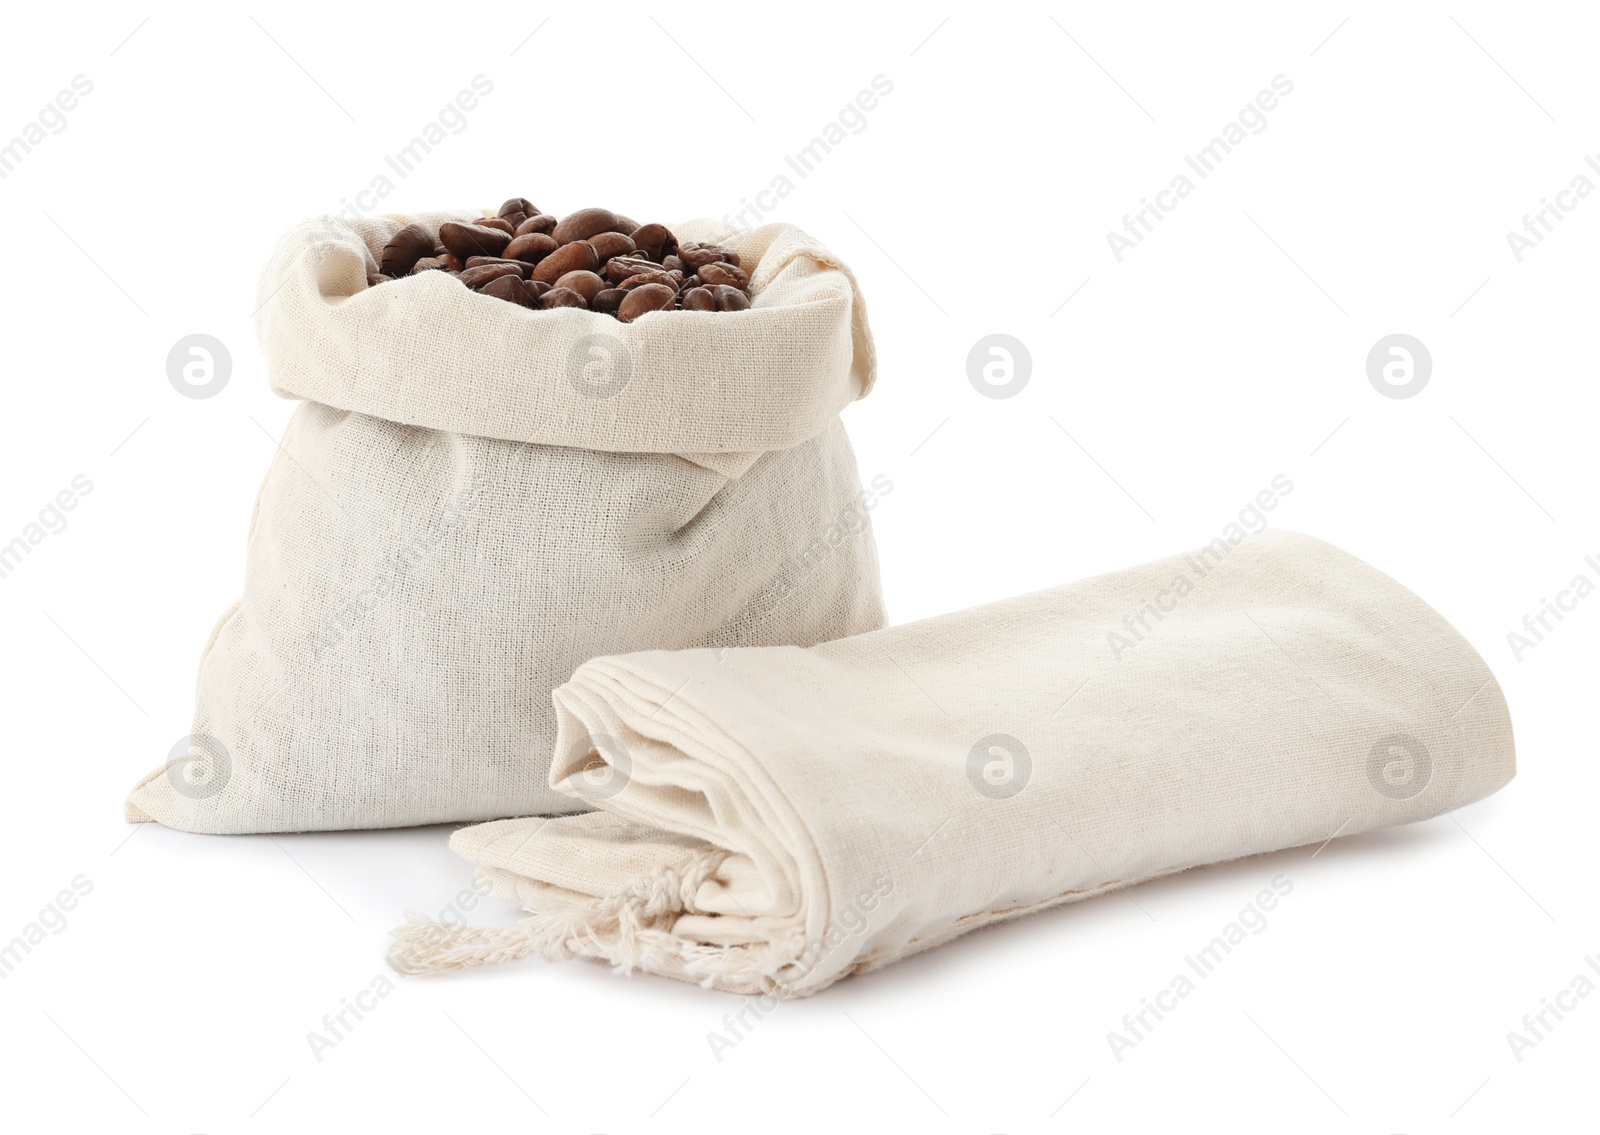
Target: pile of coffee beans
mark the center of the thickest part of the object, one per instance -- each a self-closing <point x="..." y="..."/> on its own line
<point x="592" y="259"/>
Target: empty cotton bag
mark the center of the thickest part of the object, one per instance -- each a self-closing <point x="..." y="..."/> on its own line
<point x="473" y="497"/>
<point x="770" y="820"/>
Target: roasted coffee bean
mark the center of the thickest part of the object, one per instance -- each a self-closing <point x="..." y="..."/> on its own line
<point x="472" y="240"/>
<point x="480" y="261"/>
<point x="655" y="241"/>
<point x="643" y="300"/>
<point x="587" y="284"/>
<point x="584" y="224"/>
<point x="477" y="277"/>
<point x="696" y="254"/>
<point x="404" y="249"/>
<point x="531" y="247"/>
<point x="673" y="280"/>
<point x="568" y="258"/>
<point x="719" y="273"/>
<point x="699" y="299"/>
<point x="512" y="288"/>
<point x="619" y="268"/>
<point x="592" y="258"/>
<point x="562" y="297"/>
<point x="538" y="223"/>
<point x="730" y="298"/>
<point x="607" y="245"/>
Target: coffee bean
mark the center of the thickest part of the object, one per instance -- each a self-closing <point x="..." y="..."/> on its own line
<point x="655" y="241"/>
<point x="480" y="261"/>
<point x="477" y="277"/>
<point x="562" y="297"/>
<point x="587" y="284"/>
<point x="584" y="224"/>
<point x="673" y="280"/>
<point x="592" y="258"/>
<point x="532" y="247"/>
<point x="404" y="249"/>
<point x="472" y="240"/>
<point x="512" y="288"/>
<point x="699" y="299"/>
<point x="718" y="273"/>
<point x="619" y="268"/>
<point x="645" y="299"/>
<point x="607" y="245"/>
<point x="568" y="258"/>
<point x="730" y="298"/>
<point x="538" y="223"/>
<point x="696" y="254"/>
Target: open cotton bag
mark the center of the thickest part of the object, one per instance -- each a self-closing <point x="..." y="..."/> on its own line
<point x="770" y="820"/>
<point x="474" y="497"/>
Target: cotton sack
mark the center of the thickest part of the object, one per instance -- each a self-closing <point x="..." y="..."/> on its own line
<point x="474" y="498"/>
<point x="788" y="816"/>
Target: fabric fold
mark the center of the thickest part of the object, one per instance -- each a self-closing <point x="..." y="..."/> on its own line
<point x="769" y="820"/>
<point x="428" y="352"/>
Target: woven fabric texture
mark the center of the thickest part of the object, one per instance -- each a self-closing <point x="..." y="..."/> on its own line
<point x="474" y="498"/>
<point x="772" y="819"/>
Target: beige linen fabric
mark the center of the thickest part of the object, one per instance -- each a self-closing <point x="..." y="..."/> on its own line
<point x="474" y="498"/>
<point x="773" y="819"/>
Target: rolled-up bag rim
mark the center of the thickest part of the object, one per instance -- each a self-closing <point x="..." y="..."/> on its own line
<point x="426" y="351"/>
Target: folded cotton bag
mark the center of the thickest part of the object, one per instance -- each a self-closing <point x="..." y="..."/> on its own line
<point x="773" y="819"/>
<point x="475" y="497"/>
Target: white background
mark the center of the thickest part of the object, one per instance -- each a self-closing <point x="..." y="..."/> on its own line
<point x="1171" y="387"/>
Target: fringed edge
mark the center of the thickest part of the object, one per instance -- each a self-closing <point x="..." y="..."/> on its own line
<point x="626" y="929"/>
